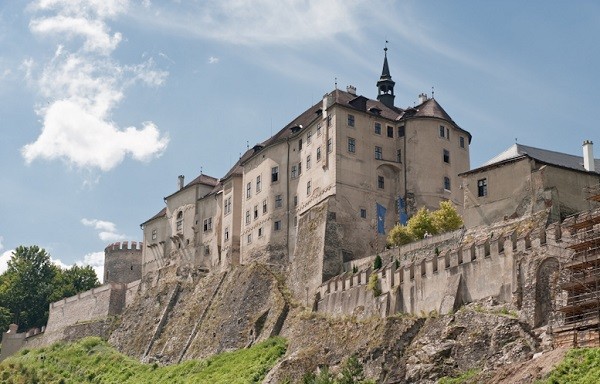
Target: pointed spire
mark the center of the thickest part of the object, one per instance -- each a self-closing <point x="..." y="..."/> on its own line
<point x="385" y="85"/>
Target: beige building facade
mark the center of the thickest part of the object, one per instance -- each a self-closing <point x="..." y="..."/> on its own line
<point x="333" y="164"/>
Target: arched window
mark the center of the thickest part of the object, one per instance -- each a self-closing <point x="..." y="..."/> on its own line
<point x="180" y="221"/>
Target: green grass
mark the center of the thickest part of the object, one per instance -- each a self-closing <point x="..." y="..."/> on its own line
<point x="92" y="360"/>
<point x="460" y="379"/>
<point x="580" y="366"/>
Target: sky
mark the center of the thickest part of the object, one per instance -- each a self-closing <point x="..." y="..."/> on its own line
<point x="103" y="103"/>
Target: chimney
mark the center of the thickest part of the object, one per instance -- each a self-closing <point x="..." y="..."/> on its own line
<point x="422" y="98"/>
<point x="351" y="89"/>
<point x="588" y="156"/>
<point x="180" y="183"/>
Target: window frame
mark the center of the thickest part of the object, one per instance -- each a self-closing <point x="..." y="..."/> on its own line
<point x="378" y="153"/>
<point x="482" y="187"/>
<point x="351" y="145"/>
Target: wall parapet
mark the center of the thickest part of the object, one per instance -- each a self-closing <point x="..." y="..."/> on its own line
<point x="124" y="246"/>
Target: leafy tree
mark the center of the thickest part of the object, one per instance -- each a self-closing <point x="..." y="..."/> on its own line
<point x="27" y="286"/>
<point x="377" y="263"/>
<point x="73" y="280"/>
<point x="32" y="282"/>
<point x="421" y="223"/>
<point x="5" y="319"/>
<point x="400" y="235"/>
<point x="446" y="218"/>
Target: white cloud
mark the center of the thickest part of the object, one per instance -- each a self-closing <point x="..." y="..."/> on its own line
<point x="213" y="60"/>
<point x="96" y="261"/>
<point x="107" y="231"/>
<point x="278" y="22"/>
<point x="4" y="258"/>
<point x="84" y="86"/>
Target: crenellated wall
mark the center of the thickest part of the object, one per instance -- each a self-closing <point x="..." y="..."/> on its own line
<point x="123" y="262"/>
<point x="95" y="304"/>
<point x="482" y="264"/>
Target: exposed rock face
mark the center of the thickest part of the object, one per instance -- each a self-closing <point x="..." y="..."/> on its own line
<point x="176" y="317"/>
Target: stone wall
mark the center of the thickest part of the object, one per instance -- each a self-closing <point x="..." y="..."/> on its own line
<point x="504" y="263"/>
<point x="98" y="303"/>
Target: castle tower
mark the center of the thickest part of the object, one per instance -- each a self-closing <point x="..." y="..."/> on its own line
<point x="385" y="85"/>
<point x="123" y="262"/>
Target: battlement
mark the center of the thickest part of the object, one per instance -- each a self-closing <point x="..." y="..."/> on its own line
<point x="470" y="266"/>
<point x="123" y="246"/>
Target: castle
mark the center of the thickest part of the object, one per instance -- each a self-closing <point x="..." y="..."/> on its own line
<point x="316" y="199"/>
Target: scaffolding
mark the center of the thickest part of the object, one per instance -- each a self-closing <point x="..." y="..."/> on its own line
<point x="580" y="282"/>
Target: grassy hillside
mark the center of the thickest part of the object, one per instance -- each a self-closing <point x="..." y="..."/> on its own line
<point x="92" y="360"/>
<point x="580" y="366"/>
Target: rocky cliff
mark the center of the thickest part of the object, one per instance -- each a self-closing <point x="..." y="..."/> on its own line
<point x="178" y="316"/>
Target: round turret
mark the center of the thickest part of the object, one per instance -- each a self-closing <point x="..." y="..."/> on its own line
<point x="123" y="262"/>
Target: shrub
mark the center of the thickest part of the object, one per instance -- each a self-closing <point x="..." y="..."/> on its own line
<point x="377" y="264"/>
<point x="373" y="285"/>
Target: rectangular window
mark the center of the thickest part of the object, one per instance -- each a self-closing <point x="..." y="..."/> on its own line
<point x="319" y="129"/>
<point x="226" y="236"/>
<point x="247" y="217"/>
<point x="308" y="137"/>
<point x="462" y="142"/>
<point x="299" y="168"/>
<point x="378" y="153"/>
<point x="248" y="190"/>
<point x="207" y="224"/>
<point x="295" y="200"/>
<point x="446" y="156"/>
<point x="264" y="206"/>
<point x="227" y="208"/>
<point x="363" y="213"/>
<point x="206" y="250"/>
<point x="258" y="184"/>
<point x="318" y="153"/>
<point x="328" y="121"/>
<point x="278" y="201"/>
<point x="260" y="232"/>
<point x="329" y="145"/>
<point x="398" y="155"/>
<point x="295" y="221"/>
<point x="249" y="238"/>
<point x="390" y="131"/>
<point x="308" y="188"/>
<point x="442" y="131"/>
<point x="378" y="128"/>
<point x="274" y="174"/>
<point x="300" y="144"/>
<point x="380" y="182"/>
<point x="277" y="225"/>
<point x="447" y="183"/>
<point x="308" y="162"/>
<point x="351" y="145"/>
<point x="350" y="120"/>
<point x="401" y="131"/>
<point x="154" y="235"/>
<point x="255" y="212"/>
<point x="482" y="187"/>
<point x="294" y="171"/>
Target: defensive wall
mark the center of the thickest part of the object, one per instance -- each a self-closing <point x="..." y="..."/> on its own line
<point x="123" y="262"/>
<point x="95" y="304"/>
<point x="443" y="272"/>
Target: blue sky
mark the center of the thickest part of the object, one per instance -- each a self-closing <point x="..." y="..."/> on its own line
<point x="104" y="104"/>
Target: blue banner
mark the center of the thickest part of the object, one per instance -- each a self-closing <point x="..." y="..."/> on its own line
<point x="402" y="216"/>
<point x="381" y="218"/>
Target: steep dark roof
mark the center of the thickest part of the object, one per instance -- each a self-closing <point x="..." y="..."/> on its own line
<point x="432" y="109"/>
<point x="202" y="179"/>
<point x="517" y="151"/>
<point x="161" y="213"/>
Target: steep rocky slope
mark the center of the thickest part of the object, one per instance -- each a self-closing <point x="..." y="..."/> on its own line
<point x="176" y="316"/>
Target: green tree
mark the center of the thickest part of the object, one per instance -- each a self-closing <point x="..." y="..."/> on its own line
<point x="73" y="280"/>
<point x="377" y="263"/>
<point x="446" y="218"/>
<point x="400" y="235"/>
<point x="27" y="286"/>
<point x="421" y="223"/>
<point x="5" y="319"/>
